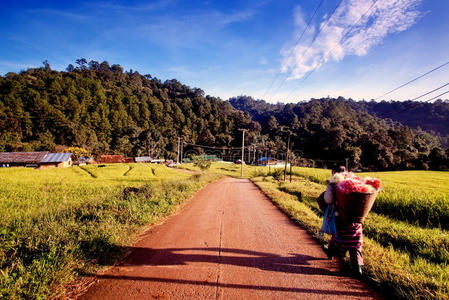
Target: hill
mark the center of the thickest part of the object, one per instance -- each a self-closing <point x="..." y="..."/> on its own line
<point x="106" y="110"/>
<point x="335" y="129"/>
<point x="430" y="117"/>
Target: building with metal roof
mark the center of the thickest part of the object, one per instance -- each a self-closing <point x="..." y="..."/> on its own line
<point x="56" y="157"/>
<point x="36" y="159"/>
<point x="56" y="160"/>
<point x="112" y="159"/>
<point x="143" y="159"/>
<point x="22" y="159"/>
<point x="265" y="161"/>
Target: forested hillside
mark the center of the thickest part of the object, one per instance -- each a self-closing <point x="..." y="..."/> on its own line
<point x="431" y="117"/>
<point x="333" y="129"/>
<point x="106" y="110"/>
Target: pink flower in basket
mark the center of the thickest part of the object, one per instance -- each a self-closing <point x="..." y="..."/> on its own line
<point x="373" y="182"/>
<point x="357" y="184"/>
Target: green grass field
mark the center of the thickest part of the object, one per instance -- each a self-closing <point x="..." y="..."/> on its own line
<point x="58" y="223"/>
<point x="406" y="247"/>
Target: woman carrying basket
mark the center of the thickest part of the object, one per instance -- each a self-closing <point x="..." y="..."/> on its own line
<point x="349" y="236"/>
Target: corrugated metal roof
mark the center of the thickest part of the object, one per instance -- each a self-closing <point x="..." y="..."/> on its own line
<point x="56" y="157"/>
<point x="143" y="158"/>
<point x="266" y="158"/>
<point x="22" y="157"/>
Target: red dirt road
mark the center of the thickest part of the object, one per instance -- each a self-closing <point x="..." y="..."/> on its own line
<point x="228" y="242"/>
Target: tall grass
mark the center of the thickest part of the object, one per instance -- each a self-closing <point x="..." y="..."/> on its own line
<point x="58" y="223"/>
<point x="428" y="243"/>
<point x="396" y="271"/>
<point x="406" y="250"/>
<point x="417" y="197"/>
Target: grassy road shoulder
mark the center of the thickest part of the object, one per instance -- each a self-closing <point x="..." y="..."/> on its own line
<point x="59" y="224"/>
<point x="397" y="271"/>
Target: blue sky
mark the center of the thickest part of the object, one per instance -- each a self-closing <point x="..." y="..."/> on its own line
<point x="230" y="48"/>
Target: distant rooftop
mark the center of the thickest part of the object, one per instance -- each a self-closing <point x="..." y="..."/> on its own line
<point x="56" y="157"/>
<point x="22" y="157"/>
<point x="143" y="158"/>
<point x="266" y="158"/>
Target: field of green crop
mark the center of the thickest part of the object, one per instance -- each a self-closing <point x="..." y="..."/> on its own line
<point x="419" y="197"/>
<point x="58" y="223"/>
<point x="407" y="243"/>
<point x="406" y="248"/>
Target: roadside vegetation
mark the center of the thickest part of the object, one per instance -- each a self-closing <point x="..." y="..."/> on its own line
<point x="406" y="254"/>
<point x="58" y="224"/>
<point x="418" y="197"/>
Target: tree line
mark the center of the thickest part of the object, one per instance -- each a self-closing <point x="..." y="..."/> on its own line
<point x="335" y="129"/>
<point x="102" y="108"/>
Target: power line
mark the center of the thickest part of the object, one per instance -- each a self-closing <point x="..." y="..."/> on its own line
<point x="297" y="42"/>
<point x="430" y="92"/>
<point x="214" y="147"/>
<point x="310" y="44"/>
<point x="407" y="83"/>
<point x="385" y="114"/>
<point x="336" y="44"/>
<point x="417" y="103"/>
<point x="437" y="96"/>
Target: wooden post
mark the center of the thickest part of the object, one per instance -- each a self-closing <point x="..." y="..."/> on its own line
<point x="243" y="151"/>
<point x="286" y="159"/>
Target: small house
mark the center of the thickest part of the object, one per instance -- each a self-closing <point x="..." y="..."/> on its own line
<point x="112" y="159"/>
<point x="22" y="159"/>
<point x="40" y="160"/>
<point x="266" y="161"/>
<point x="84" y="161"/>
<point x="143" y="159"/>
<point x="56" y="160"/>
<point x="158" y="161"/>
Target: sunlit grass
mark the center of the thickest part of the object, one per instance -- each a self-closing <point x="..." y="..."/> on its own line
<point x="407" y="276"/>
<point x="428" y="243"/>
<point x="418" y="197"/>
<point x="55" y="223"/>
<point x="405" y="249"/>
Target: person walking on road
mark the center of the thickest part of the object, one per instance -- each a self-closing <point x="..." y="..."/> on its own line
<point x="349" y="236"/>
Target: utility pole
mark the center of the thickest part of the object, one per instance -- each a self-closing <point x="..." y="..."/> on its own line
<point x="243" y="150"/>
<point x="288" y="150"/>
<point x="179" y="142"/>
<point x="182" y="149"/>
<point x="254" y="155"/>
<point x="291" y="167"/>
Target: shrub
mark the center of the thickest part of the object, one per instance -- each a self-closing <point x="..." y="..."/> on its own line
<point x="278" y="174"/>
<point x="203" y="164"/>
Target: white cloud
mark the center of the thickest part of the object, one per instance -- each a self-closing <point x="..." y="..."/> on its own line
<point x="339" y="37"/>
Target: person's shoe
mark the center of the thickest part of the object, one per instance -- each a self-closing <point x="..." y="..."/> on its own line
<point x="326" y="250"/>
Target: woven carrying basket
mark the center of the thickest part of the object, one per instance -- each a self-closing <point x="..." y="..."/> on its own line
<point x="354" y="207"/>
